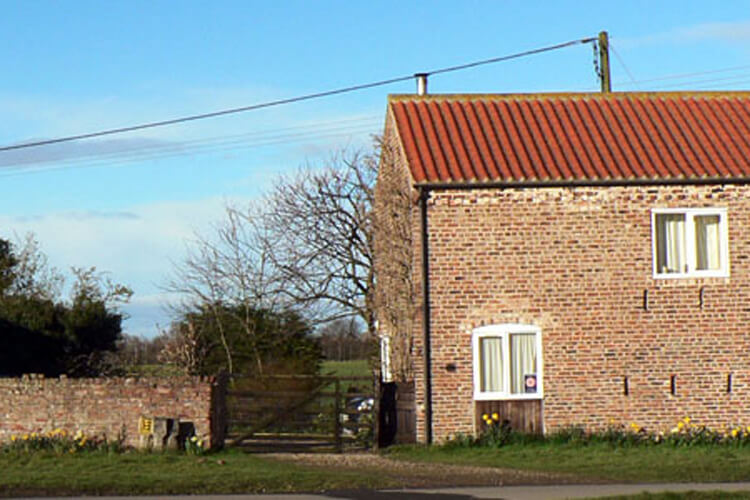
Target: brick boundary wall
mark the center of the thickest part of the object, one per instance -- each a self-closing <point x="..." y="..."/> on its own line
<point x="111" y="406"/>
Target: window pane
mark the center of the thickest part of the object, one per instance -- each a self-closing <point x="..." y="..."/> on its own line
<point x="707" y="247"/>
<point x="491" y="360"/>
<point x="522" y="361"/>
<point x="670" y="243"/>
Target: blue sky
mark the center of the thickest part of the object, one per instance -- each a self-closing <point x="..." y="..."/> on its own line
<point x="128" y="203"/>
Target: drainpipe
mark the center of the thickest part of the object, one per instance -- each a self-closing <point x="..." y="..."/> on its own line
<point x="424" y="195"/>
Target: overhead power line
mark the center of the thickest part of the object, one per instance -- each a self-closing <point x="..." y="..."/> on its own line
<point x="681" y="76"/>
<point x="290" y="100"/>
<point x="287" y="135"/>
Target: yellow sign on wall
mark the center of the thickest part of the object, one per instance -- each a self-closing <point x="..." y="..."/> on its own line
<point x="145" y="426"/>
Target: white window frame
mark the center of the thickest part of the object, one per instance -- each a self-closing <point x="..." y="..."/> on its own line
<point x="385" y="359"/>
<point x="504" y="331"/>
<point x="690" y="250"/>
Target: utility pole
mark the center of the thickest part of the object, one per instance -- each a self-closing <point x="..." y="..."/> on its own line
<point x="604" y="75"/>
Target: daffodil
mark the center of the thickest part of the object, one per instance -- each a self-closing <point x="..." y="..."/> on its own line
<point x="495" y="417"/>
<point x="735" y="432"/>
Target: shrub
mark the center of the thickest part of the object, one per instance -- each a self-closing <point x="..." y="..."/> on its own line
<point x="495" y="433"/>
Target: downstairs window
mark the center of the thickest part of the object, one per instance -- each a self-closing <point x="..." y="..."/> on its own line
<point x="507" y="362"/>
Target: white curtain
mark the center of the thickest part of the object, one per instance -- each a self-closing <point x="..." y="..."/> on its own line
<point x="491" y="363"/>
<point x="522" y="360"/>
<point x="670" y="243"/>
<point x="707" y="242"/>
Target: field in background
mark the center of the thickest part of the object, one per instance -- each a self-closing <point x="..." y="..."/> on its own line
<point x="353" y="368"/>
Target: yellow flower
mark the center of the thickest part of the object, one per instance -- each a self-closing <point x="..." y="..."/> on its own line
<point x="686" y="420"/>
<point x="25" y="437"/>
<point x="13" y="437"/>
<point x="485" y="416"/>
<point x="735" y="432"/>
<point x="495" y="417"/>
<point x="674" y="430"/>
<point x="194" y="439"/>
<point x="680" y="424"/>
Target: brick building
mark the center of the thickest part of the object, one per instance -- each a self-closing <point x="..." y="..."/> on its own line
<point x="567" y="259"/>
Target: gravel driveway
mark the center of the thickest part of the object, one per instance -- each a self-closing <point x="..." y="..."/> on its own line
<point x="421" y="474"/>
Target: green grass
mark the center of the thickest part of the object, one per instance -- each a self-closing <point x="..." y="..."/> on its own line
<point x="599" y="460"/>
<point x="353" y="368"/>
<point x="45" y="474"/>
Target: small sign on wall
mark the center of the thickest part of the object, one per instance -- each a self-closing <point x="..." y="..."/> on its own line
<point x="529" y="383"/>
<point x="145" y="426"/>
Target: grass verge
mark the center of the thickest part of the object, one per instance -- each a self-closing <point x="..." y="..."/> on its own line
<point x="598" y="461"/>
<point x="133" y="473"/>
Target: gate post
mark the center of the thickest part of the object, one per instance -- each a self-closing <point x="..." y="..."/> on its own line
<point x="219" y="414"/>
<point x="337" y="418"/>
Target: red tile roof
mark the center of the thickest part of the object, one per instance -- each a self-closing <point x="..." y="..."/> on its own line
<point x="559" y="138"/>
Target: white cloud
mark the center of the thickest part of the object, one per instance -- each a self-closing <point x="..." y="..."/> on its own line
<point x="730" y="32"/>
<point x="726" y="32"/>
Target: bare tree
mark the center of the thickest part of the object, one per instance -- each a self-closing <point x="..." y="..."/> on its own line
<point x="343" y="339"/>
<point x="229" y="273"/>
<point x="184" y="348"/>
<point x="320" y="222"/>
<point x="306" y="246"/>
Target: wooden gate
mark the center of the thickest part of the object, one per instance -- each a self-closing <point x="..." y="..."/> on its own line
<point x="300" y="413"/>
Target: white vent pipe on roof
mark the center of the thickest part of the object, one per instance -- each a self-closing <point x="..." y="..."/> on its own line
<point x="421" y="83"/>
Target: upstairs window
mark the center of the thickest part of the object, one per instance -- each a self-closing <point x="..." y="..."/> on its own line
<point x="690" y="243"/>
<point x="507" y="362"/>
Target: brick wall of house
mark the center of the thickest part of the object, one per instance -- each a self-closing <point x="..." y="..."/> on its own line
<point x="398" y="266"/>
<point x="395" y="243"/>
<point x="103" y="406"/>
<point x="576" y="263"/>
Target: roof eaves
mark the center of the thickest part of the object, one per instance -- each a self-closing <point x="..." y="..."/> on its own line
<point x="554" y="183"/>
